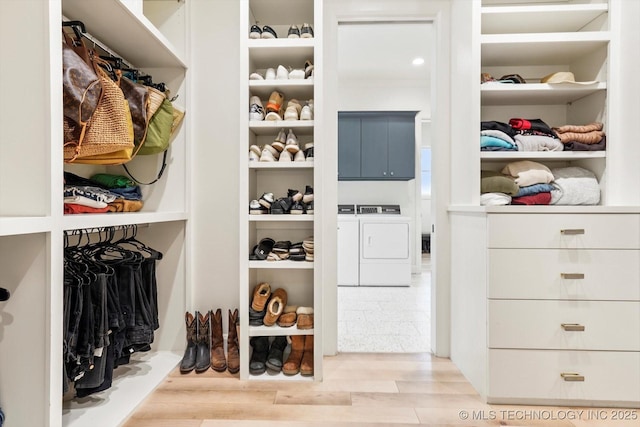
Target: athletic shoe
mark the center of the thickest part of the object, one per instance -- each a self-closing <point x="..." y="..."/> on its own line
<point x="276" y="102"/>
<point x="294" y="32"/>
<point x="270" y="74"/>
<point x="292" y="143"/>
<point x="293" y="110"/>
<point x="282" y="73"/>
<point x="308" y="154"/>
<point x="308" y="195"/>
<point x="294" y="195"/>
<point x="255" y="32"/>
<point x="308" y="69"/>
<point x="253" y="157"/>
<point x="297" y="208"/>
<point x="296" y="74"/>
<point x="272" y="116"/>
<point x="309" y="208"/>
<point x="267" y="156"/>
<point x="269" y="33"/>
<point x="266" y="200"/>
<point x="256" y="112"/>
<point x="255" y="208"/>
<point x="255" y="76"/>
<point x="278" y="143"/>
<point x="306" y="32"/>
<point x="274" y="153"/>
<point x="299" y="157"/>
<point x="285" y="156"/>
<point x="306" y="113"/>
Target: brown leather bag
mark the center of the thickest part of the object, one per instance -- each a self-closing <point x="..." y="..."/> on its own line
<point x="137" y="96"/>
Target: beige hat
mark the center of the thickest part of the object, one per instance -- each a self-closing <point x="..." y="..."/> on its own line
<point x="563" y="77"/>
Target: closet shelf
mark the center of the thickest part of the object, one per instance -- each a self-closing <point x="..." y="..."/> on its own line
<point x="142" y="44"/>
<point x="543" y="155"/>
<point x="281" y="218"/>
<point x="280" y="165"/>
<point x="12" y="225"/>
<point x="300" y="89"/>
<point x="275" y="330"/>
<point x="536" y="93"/>
<point x="539" y="49"/>
<point x="269" y="127"/>
<point x="539" y="18"/>
<point x="293" y="265"/>
<point x="265" y="53"/>
<point x="77" y="221"/>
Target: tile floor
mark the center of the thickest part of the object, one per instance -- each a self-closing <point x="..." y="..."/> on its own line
<point x="386" y="319"/>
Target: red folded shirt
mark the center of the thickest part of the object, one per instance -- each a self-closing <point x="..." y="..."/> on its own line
<point x="534" y="199"/>
<point x="73" y="208"/>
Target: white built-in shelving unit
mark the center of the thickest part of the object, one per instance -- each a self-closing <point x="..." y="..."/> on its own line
<point x="301" y="279"/>
<point x="151" y="36"/>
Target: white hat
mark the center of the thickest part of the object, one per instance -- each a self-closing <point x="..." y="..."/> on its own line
<point x="563" y="77"/>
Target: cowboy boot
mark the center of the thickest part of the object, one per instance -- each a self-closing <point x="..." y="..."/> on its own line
<point x="233" y="355"/>
<point x="292" y="365"/>
<point x="218" y="361"/>
<point x="203" y="347"/>
<point x="306" y="365"/>
<point x="188" y="362"/>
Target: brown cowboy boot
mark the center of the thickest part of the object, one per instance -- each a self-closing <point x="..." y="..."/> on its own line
<point x="218" y="362"/>
<point x="292" y="365"/>
<point x="203" y="347"/>
<point x="306" y="366"/>
<point x="233" y="355"/>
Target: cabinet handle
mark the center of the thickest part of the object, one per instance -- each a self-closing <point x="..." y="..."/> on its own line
<point x="572" y="231"/>
<point x="391" y="173"/>
<point x="570" y="376"/>
<point x="572" y="327"/>
<point x="384" y="173"/>
<point x="572" y="275"/>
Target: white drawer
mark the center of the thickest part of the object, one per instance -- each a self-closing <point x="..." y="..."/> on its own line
<point x="564" y="274"/>
<point x="579" y="231"/>
<point x="530" y="375"/>
<point x="535" y="324"/>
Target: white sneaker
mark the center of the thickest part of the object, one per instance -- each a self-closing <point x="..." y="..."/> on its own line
<point x="255" y="149"/>
<point x="253" y="157"/>
<point x="255" y="76"/>
<point x="296" y="75"/>
<point x="306" y="113"/>
<point x="272" y="116"/>
<point x="256" y="112"/>
<point x="282" y="73"/>
<point x="292" y="143"/>
<point x="275" y="153"/>
<point x="270" y="74"/>
<point x="293" y="110"/>
<point x="299" y="157"/>
<point x="278" y="142"/>
<point x="285" y="156"/>
<point x="267" y="156"/>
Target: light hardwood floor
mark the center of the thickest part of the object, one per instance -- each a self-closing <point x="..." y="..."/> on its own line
<point x="358" y="390"/>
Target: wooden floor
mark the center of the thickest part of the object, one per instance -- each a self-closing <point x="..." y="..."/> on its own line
<point x="358" y="390"/>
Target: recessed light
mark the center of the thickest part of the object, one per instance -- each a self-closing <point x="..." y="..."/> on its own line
<point x="418" y="61"/>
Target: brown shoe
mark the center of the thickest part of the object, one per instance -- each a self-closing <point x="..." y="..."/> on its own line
<point x="218" y="361"/>
<point x="203" y="346"/>
<point x="306" y="365"/>
<point x="305" y="317"/>
<point x="261" y="294"/>
<point x="276" y="306"/>
<point x="288" y="316"/>
<point x="292" y="365"/>
<point x="275" y="103"/>
<point x="233" y="355"/>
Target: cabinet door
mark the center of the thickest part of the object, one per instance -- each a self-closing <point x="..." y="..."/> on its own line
<point x="402" y="147"/>
<point x="348" y="146"/>
<point x="385" y="240"/>
<point x="374" y="147"/>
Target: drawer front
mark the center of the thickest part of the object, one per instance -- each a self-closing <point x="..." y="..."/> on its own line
<point x="564" y="325"/>
<point x="536" y="374"/>
<point x="579" y="231"/>
<point x="567" y="274"/>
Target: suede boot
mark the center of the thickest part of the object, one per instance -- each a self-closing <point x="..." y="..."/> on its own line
<point x="257" y="365"/>
<point x="292" y="365"/>
<point x="233" y="355"/>
<point x="306" y="366"/>
<point x="274" y="361"/>
<point x="188" y="362"/>
<point x="203" y="347"/>
<point x="218" y="361"/>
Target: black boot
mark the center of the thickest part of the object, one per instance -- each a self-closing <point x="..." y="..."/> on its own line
<point x="259" y="356"/>
<point x="188" y="362"/>
<point x="274" y="361"/>
<point x="203" y="347"/>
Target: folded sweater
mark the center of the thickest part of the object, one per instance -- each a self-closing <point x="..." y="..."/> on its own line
<point x="575" y="186"/>
<point x="527" y="172"/>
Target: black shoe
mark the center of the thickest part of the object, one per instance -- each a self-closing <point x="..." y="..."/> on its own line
<point x="309" y="208"/>
<point x="294" y="32"/>
<point x="262" y="249"/>
<point x="297" y="209"/>
<point x="256" y="317"/>
<point x="257" y="365"/>
<point x="281" y="206"/>
<point x="306" y="32"/>
<point x="268" y="33"/>
<point x="294" y="195"/>
<point x="255" y="32"/>
<point x="308" y="154"/>
<point x="188" y="362"/>
<point x="308" y="195"/>
<point x="274" y="360"/>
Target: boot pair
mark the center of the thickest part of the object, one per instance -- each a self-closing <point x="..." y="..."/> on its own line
<point x="266" y="357"/>
<point x="197" y="355"/>
<point x="300" y="358"/>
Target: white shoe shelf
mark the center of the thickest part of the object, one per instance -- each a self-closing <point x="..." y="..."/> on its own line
<point x="301" y="279"/>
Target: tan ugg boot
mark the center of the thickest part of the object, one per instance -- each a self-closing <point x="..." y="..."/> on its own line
<point x="218" y="361"/>
<point x="306" y="365"/>
<point x="233" y="355"/>
<point x="275" y="307"/>
<point x="292" y="365"/>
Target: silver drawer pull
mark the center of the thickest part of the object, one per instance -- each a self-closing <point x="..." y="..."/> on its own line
<point x="572" y="275"/>
<point x="572" y="231"/>
<point x="572" y="327"/>
<point x="570" y="376"/>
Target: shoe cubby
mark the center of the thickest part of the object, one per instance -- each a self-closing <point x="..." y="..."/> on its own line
<point x="266" y="174"/>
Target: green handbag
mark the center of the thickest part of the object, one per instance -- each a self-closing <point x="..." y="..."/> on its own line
<point x="159" y="130"/>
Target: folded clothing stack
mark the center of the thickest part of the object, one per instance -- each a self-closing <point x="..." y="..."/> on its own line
<point x="129" y="196"/>
<point x="584" y="134"/>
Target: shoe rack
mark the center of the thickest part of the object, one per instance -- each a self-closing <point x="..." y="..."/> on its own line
<point x="300" y="279"/>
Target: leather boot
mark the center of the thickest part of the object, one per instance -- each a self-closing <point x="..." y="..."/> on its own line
<point x="306" y="366"/>
<point x="292" y="365"/>
<point x="188" y="362"/>
<point x="233" y="355"/>
<point x="203" y="347"/>
<point x="274" y="361"/>
<point x="218" y="361"/>
<point x="260" y="346"/>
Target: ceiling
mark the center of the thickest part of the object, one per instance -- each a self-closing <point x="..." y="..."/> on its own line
<point x="384" y="50"/>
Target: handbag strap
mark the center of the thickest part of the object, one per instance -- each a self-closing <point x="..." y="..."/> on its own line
<point x="160" y="173"/>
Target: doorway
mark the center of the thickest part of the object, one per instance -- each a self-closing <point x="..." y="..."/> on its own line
<point x="386" y="66"/>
